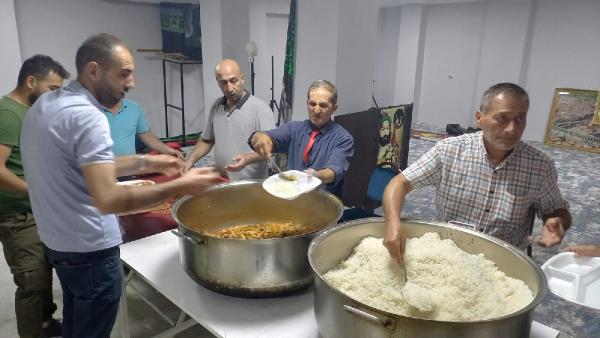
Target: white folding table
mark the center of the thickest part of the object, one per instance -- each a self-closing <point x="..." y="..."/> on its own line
<point x="156" y="260"/>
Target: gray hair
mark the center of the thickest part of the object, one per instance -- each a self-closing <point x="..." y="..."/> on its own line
<point x="507" y="88"/>
<point x="323" y="84"/>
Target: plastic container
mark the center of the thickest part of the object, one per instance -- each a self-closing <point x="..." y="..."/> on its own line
<point x="574" y="278"/>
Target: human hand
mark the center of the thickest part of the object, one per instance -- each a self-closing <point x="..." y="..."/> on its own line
<point x="238" y="163"/>
<point x="584" y="250"/>
<point x="395" y="239"/>
<point x="177" y="153"/>
<point x="195" y="180"/>
<point x="311" y="172"/>
<point x="188" y="165"/>
<point x="263" y="145"/>
<point x="165" y="164"/>
<point x="552" y="233"/>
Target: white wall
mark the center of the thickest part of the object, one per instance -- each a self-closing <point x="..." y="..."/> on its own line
<point x="504" y="41"/>
<point x="235" y="21"/>
<point x="386" y="55"/>
<point x="357" y="50"/>
<point x="10" y="58"/>
<point x="565" y="52"/>
<point x="316" y="51"/>
<point x="212" y="50"/>
<point x="411" y="22"/>
<point x="539" y="44"/>
<point x="58" y="27"/>
<point x="451" y="55"/>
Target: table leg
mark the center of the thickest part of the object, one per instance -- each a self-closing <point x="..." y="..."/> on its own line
<point x="123" y="316"/>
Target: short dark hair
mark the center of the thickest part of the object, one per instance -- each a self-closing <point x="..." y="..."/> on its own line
<point x="40" y="66"/>
<point x="507" y="88"/>
<point x="97" y="48"/>
<point x="323" y="84"/>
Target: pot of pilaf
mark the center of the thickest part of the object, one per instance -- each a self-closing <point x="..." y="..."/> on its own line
<point x="237" y="239"/>
<point x="473" y="285"/>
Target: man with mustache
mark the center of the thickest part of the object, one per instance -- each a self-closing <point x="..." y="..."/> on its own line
<point x="317" y="144"/>
<point x="231" y="118"/>
<point x="23" y="250"/>
<point x="489" y="179"/>
<point x="72" y="176"/>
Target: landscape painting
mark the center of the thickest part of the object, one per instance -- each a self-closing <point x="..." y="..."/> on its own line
<point x="574" y="120"/>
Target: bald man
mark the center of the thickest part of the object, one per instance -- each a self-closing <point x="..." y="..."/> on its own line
<point x="231" y="119"/>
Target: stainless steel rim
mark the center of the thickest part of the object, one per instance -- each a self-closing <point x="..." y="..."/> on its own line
<point x="538" y="271"/>
<point x="182" y="200"/>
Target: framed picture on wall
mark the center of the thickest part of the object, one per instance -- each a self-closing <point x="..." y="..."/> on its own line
<point x="574" y="120"/>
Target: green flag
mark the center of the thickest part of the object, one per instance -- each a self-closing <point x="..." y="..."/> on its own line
<point x="287" y="93"/>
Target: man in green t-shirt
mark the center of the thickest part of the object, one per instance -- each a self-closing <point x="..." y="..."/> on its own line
<point x="23" y="249"/>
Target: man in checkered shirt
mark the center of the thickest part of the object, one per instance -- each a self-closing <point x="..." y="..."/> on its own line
<point x="489" y="179"/>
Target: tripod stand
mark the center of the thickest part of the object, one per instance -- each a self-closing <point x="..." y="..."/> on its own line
<point x="273" y="103"/>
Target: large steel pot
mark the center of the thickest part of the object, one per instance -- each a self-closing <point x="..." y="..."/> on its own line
<point x="340" y="316"/>
<point x="247" y="267"/>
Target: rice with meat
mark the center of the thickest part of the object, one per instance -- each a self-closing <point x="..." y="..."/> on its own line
<point x="464" y="287"/>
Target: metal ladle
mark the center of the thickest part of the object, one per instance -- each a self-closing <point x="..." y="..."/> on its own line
<point x="281" y="174"/>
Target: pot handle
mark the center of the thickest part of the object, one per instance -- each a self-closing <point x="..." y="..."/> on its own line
<point x="187" y="238"/>
<point x="463" y="224"/>
<point x="383" y="321"/>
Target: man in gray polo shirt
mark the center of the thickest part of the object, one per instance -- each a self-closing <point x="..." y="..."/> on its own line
<point x="71" y="174"/>
<point x="231" y="119"/>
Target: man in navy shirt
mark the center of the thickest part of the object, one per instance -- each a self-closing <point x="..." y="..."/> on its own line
<point x="317" y="144"/>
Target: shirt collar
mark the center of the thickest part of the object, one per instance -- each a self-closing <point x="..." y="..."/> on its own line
<point x="76" y="86"/>
<point x="504" y="162"/>
<point x="240" y="102"/>
<point x="324" y="130"/>
<point x="124" y="105"/>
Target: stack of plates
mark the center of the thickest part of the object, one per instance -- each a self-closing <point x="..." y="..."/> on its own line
<point x="575" y="278"/>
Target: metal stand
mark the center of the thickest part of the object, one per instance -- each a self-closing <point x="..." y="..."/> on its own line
<point x="273" y="103"/>
<point x="179" y="62"/>
<point x="252" y="74"/>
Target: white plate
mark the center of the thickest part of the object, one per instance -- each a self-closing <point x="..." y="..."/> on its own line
<point x="289" y="190"/>
<point x="575" y="278"/>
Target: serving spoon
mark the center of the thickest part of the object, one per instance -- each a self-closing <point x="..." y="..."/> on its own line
<point x="281" y="174"/>
<point x="414" y="294"/>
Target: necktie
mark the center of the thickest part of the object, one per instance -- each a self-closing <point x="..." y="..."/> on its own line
<point x="311" y="141"/>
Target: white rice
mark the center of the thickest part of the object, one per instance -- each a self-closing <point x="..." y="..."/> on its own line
<point x="463" y="287"/>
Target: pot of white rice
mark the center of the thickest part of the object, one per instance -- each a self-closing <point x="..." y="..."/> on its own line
<point x="481" y="286"/>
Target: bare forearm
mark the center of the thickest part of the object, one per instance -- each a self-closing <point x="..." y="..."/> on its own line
<point x="326" y="175"/>
<point x="126" y="198"/>
<point x="129" y="165"/>
<point x="11" y="182"/>
<point x="202" y="148"/>
<point x="110" y="197"/>
<point x="154" y="143"/>
<point x="394" y="196"/>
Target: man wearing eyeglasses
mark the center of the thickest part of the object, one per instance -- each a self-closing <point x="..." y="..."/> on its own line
<point x="318" y="144"/>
